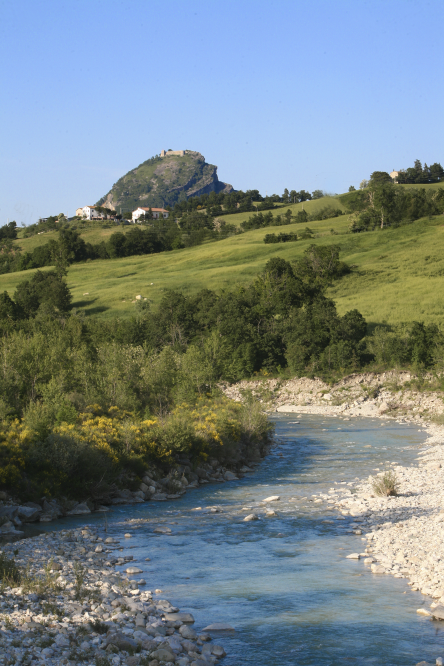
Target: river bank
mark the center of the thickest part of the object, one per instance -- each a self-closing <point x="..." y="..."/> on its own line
<point x="391" y="393"/>
<point x="72" y="606"/>
<point x="155" y="486"/>
<point x="404" y="534"/>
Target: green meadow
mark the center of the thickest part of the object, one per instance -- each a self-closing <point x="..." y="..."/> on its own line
<point x="398" y="274"/>
<point x="310" y="206"/>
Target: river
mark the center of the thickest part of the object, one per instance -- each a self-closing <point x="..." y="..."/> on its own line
<point x="283" y="583"/>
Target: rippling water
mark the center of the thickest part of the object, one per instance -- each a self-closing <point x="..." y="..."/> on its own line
<point x="284" y="582"/>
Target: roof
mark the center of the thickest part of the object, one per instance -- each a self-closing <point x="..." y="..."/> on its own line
<point x="163" y="210"/>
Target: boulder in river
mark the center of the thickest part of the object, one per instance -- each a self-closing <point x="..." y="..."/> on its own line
<point x="219" y="626"/>
<point x="79" y="510"/>
<point x="186" y="618"/>
<point x="438" y="613"/>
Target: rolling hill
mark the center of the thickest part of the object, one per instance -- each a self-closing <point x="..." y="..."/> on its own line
<point x="398" y="274"/>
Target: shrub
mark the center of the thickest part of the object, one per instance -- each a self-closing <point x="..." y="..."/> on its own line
<point x="9" y="572"/>
<point x="386" y="485"/>
<point x="99" y="627"/>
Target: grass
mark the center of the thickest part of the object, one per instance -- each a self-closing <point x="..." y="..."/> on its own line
<point x="90" y="232"/>
<point x="386" y="485"/>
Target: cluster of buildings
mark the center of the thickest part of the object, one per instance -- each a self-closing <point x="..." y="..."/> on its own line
<point x="95" y="213"/>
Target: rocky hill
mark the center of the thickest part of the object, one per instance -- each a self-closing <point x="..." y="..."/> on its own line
<point x="164" y="180"/>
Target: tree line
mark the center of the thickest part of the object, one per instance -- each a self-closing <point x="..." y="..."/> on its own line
<point x="383" y="204"/>
<point x="224" y="203"/>
<point x="418" y="174"/>
<point x="160" y="236"/>
<point x="261" y="220"/>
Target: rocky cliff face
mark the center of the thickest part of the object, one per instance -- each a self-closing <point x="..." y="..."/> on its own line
<point x="162" y="181"/>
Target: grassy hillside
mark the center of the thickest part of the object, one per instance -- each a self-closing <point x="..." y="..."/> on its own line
<point x="310" y="206"/>
<point x="398" y="274"/>
<point x="92" y="234"/>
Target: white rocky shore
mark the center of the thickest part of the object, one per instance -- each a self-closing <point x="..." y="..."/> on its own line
<point x="72" y="606"/>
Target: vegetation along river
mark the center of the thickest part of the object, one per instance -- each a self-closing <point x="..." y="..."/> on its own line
<point x="283" y="582"/>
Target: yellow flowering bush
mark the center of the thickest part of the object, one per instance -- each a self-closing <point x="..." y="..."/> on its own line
<point x="104" y="447"/>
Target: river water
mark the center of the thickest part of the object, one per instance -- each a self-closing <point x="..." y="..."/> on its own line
<point x="283" y="583"/>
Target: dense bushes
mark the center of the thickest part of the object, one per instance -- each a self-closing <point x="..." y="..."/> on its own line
<point x="102" y="448"/>
<point x="280" y="238"/>
<point x="87" y="403"/>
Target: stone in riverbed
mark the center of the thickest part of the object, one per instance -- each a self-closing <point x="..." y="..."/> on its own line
<point x="218" y="626"/>
<point x="353" y="556"/>
<point x="133" y="570"/>
<point x="9" y="512"/>
<point x="186" y="618"/>
<point x="272" y="498"/>
<point x="424" y="611"/>
<point x="162" y="530"/>
<point x="250" y="517"/>
<point x="29" y="514"/>
<point x="163" y="655"/>
<point x="377" y="569"/>
<point x="120" y="641"/>
<point x="62" y="641"/>
<point x="47" y="652"/>
<point x="229" y="476"/>
<point x="438" y="613"/>
<point x="79" y="510"/>
<point x="187" y="632"/>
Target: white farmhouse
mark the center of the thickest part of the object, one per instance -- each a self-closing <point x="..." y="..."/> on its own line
<point x="91" y="213"/>
<point x="157" y="212"/>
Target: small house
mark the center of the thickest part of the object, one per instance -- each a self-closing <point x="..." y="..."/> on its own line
<point x="157" y="213"/>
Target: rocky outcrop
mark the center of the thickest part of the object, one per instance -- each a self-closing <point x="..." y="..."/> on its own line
<point x="160" y="182"/>
<point x="361" y="394"/>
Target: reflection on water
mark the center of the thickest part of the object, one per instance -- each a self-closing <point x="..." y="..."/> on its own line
<point x="283" y="582"/>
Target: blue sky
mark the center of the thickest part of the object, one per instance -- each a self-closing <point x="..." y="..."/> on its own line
<point x="303" y="95"/>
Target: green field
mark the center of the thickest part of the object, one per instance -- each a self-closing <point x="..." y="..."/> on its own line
<point x="310" y="206"/>
<point x="92" y="233"/>
<point x="398" y="274"/>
